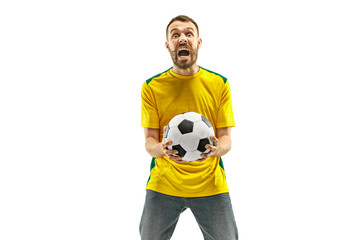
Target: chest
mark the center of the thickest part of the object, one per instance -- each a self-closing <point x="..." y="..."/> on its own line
<point x="187" y="94"/>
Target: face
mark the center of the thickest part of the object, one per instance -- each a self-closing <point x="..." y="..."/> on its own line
<point x="183" y="44"/>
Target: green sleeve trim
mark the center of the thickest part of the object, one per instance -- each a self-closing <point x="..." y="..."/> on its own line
<point x="224" y="78"/>
<point x="152" y="165"/>
<point x="158" y="75"/>
<point x="221" y="164"/>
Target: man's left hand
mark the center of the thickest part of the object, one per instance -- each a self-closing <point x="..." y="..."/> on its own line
<point x="213" y="149"/>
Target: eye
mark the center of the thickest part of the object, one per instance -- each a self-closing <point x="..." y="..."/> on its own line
<point x="189" y="34"/>
<point x="175" y="35"/>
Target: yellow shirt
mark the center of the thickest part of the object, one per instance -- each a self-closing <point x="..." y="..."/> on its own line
<point x="169" y="94"/>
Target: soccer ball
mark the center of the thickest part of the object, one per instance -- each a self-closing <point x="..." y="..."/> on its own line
<point x="189" y="133"/>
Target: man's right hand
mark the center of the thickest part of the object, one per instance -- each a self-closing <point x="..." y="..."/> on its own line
<point x="170" y="153"/>
<point x="159" y="149"/>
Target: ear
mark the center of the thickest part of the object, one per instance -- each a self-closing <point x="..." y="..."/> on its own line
<point x="199" y="42"/>
<point x="167" y="46"/>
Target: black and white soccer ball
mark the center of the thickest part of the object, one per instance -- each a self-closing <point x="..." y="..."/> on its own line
<point x="189" y="133"/>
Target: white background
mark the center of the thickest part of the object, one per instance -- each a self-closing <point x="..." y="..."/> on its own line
<point x="72" y="157"/>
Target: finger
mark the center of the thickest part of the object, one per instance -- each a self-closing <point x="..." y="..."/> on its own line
<point x="174" y="157"/>
<point x="177" y="159"/>
<point x="210" y="147"/>
<point x="209" y="154"/>
<point x="201" y="159"/>
<point x="214" y="139"/>
<point x="171" y="152"/>
<point x="180" y="161"/>
<point x="165" y="144"/>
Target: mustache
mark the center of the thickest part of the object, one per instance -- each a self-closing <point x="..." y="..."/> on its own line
<point x="191" y="50"/>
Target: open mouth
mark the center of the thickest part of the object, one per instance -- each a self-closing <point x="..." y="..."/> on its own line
<point x="183" y="52"/>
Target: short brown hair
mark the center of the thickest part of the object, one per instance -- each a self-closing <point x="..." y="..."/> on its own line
<point x="182" y="18"/>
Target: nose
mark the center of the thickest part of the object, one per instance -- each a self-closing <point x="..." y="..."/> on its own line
<point x="182" y="38"/>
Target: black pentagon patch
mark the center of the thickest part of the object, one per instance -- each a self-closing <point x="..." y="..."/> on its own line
<point x="186" y="126"/>
<point x="205" y="120"/>
<point x="202" y="144"/>
<point x="181" y="151"/>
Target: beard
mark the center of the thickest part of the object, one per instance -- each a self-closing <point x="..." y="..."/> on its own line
<point x="183" y="64"/>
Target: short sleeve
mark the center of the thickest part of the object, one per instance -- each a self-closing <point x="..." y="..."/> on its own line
<point x="225" y="116"/>
<point x="149" y="113"/>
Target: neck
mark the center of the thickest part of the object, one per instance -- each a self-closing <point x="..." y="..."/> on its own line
<point x="186" y="71"/>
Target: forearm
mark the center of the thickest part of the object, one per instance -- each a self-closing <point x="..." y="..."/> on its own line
<point x="153" y="147"/>
<point x="224" y="145"/>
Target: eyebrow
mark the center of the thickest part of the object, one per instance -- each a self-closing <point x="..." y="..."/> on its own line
<point x="174" y="29"/>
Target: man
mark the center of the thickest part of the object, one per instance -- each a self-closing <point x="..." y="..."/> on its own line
<point x="175" y="185"/>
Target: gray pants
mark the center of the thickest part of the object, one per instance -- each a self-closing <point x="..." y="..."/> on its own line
<point x="214" y="215"/>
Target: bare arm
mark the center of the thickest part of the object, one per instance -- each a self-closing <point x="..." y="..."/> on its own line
<point x="158" y="149"/>
<point x="152" y="144"/>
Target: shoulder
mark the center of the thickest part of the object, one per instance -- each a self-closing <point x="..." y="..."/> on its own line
<point x="157" y="76"/>
<point x="215" y="74"/>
